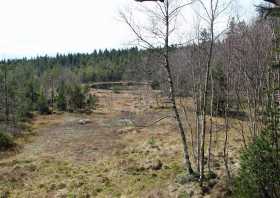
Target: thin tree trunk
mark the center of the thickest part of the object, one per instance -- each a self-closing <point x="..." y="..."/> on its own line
<point x="52" y="93"/>
<point x="211" y="123"/>
<point x="225" y="151"/>
<point x="191" y="130"/>
<point x="198" y="127"/>
<point x="7" y="111"/>
<point x="206" y="82"/>
<point x="172" y="95"/>
<point x="195" y="103"/>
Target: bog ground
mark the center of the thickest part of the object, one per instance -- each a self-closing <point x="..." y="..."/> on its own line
<point x="113" y="155"/>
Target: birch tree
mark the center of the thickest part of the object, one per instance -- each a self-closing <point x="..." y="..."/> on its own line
<point x="163" y="18"/>
<point x="212" y="11"/>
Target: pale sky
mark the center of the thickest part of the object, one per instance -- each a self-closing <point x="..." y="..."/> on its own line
<point x="39" y="27"/>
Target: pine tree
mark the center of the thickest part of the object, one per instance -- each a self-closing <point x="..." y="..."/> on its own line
<point x="42" y="105"/>
<point x="61" y="98"/>
<point x="77" y="97"/>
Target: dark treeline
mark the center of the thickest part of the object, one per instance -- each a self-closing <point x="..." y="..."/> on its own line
<point x="102" y="65"/>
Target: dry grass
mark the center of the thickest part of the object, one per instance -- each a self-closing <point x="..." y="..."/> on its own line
<point x="109" y="157"/>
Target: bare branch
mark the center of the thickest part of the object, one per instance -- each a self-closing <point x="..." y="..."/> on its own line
<point x="180" y="7"/>
<point x="205" y="9"/>
<point x="138" y="34"/>
<point x="153" y="123"/>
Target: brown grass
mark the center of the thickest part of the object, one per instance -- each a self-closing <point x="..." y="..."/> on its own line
<point x="110" y="157"/>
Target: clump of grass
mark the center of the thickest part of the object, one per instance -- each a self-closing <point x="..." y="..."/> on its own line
<point x="152" y="142"/>
<point x="6" y="141"/>
<point x="184" y="194"/>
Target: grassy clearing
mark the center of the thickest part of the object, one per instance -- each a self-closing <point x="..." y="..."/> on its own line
<point x="108" y="158"/>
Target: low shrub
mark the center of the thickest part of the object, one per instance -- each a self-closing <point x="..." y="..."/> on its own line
<point x="6" y="141"/>
<point x="91" y="101"/>
<point x="116" y="89"/>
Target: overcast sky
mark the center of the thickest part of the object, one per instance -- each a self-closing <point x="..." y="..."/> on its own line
<point x="39" y="27"/>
